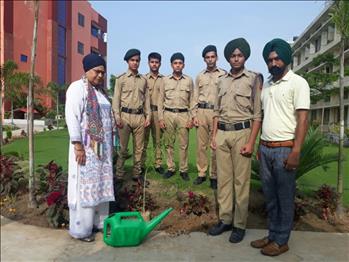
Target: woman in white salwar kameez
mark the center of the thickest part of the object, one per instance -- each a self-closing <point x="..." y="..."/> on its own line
<point x="90" y="173"/>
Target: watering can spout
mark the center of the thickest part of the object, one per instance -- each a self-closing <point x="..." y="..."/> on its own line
<point x="155" y="221"/>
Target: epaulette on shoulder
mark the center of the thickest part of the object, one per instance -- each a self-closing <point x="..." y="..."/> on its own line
<point x="225" y="71"/>
<point x="118" y="76"/>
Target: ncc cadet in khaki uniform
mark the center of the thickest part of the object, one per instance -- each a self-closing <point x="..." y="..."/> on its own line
<point x="131" y="106"/>
<point x="175" y="106"/>
<point x="205" y="93"/>
<point x="154" y="83"/>
<point x="238" y="120"/>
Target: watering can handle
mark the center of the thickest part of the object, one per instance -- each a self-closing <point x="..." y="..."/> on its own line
<point x="129" y="214"/>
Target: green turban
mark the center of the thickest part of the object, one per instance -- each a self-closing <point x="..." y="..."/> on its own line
<point x="239" y="43"/>
<point x="176" y="56"/>
<point x="130" y="53"/>
<point x="281" y="47"/>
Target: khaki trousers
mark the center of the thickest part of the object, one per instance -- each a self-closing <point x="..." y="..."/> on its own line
<point x="176" y="123"/>
<point x="156" y="134"/>
<point x="203" y="141"/>
<point x="133" y="124"/>
<point x="233" y="181"/>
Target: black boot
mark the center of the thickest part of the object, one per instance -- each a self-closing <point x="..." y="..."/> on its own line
<point x="184" y="176"/>
<point x="160" y="170"/>
<point x="213" y="183"/>
<point x="199" y="180"/>
<point x="219" y="229"/>
<point x="168" y="174"/>
<point x="237" y="235"/>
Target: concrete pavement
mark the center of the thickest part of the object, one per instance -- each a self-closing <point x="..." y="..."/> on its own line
<point x="21" y="242"/>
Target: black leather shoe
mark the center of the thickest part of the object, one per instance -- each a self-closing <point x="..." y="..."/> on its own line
<point x="160" y="170"/>
<point x="219" y="229"/>
<point x="237" y="235"/>
<point x="199" y="180"/>
<point x="213" y="183"/>
<point x="184" y="176"/>
<point x="169" y="173"/>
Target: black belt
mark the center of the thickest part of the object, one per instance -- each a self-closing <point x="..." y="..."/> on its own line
<point x="132" y="110"/>
<point x="176" y="110"/>
<point x="154" y="108"/>
<point x="233" y="127"/>
<point x="206" y="106"/>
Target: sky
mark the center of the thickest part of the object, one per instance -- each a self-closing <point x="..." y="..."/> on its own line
<point x="188" y="26"/>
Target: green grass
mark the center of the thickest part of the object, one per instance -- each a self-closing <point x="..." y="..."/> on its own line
<point x="49" y="145"/>
<point x="53" y="145"/>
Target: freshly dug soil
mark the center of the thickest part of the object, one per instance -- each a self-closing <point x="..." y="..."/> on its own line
<point x="177" y="223"/>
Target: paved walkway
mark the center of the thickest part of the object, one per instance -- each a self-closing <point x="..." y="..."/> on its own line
<point x="30" y="243"/>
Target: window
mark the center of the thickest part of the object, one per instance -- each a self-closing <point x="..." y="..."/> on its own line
<point x="81" y="20"/>
<point x="94" y="51"/>
<point x="61" y="12"/>
<point x="330" y="34"/>
<point x="80" y="48"/>
<point x="24" y="58"/>
<point x="298" y="58"/>
<point x="327" y="98"/>
<point x="95" y="31"/>
<point x="317" y="44"/>
<point x="61" y="41"/>
<point x="61" y="70"/>
<point x="326" y="116"/>
<point x="346" y="94"/>
<point x="312" y="115"/>
<point x="328" y="69"/>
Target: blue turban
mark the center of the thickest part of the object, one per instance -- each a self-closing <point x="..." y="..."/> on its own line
<point x="91" y="61"/>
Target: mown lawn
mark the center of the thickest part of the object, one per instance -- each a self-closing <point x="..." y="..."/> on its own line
<point x="53" y="145"/>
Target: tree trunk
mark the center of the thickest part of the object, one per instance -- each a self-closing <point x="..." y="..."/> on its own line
<point x="12" y="124"/>
<point x="1" y="88"/>
<point x="32" y="200"/>
<point x="57" y="106"/>
<point x="341" y="132"/>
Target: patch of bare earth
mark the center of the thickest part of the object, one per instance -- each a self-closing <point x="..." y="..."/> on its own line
<point x="176" y="222"/>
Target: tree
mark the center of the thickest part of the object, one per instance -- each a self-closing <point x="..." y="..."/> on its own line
<point x="111" y="85"/>
<point x="340" y="17"/>
<point x="55" y="89"/>
<point x="13" y="90"/>
<point x="32" y="201"/>
<point x="7" y="70"/>
<point x="320" y="82"/>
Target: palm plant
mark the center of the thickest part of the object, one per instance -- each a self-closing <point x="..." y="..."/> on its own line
<point x="55" y="90"/>
<point x="13" y="90"/>
<point x="7" y="70"/>
<point x="312" y="155"/>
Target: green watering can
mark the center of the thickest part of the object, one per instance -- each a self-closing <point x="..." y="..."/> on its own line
<point x="124" y="229"/>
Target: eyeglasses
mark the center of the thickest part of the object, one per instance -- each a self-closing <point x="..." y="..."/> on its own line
<point x="99" y="72"/>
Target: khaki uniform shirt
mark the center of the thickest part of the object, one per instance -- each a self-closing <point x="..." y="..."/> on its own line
<point x="205" y="90"/>
<point x="131" y="91"/>
<point x="154" y="85"/>
<point x="239" y="97"/>
<point x="176" y="94"/>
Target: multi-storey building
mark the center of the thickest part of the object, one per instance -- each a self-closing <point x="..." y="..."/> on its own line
<point x="67" y="30"/>
<point x="322" y="37"/>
